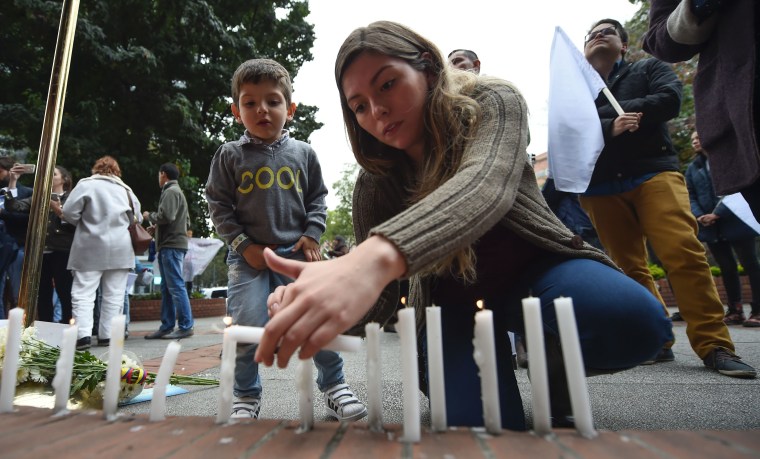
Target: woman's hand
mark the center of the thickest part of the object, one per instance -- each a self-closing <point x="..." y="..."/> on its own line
<point x="708" y="219"/>
<point x="626" y="122"/>
<point x="325" y="299"/>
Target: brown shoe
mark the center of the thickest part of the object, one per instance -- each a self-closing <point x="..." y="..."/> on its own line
<point x="753" y="321"/>
<point x="734" y="315"/>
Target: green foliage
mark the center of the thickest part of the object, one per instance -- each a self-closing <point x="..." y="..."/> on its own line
<point x="715" y="271"/>
<point x="339" y="220"/>
<point x="682" y="126"/>
<point x="657" y="272"/>
<point x="149" y="82"/>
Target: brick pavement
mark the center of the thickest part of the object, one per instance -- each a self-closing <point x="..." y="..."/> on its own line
<point x="33" y="432"/>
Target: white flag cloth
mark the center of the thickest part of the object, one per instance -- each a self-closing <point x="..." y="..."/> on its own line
<point x="575" y="132"/>
<point x="738" y="205"/>
<point x="199" y="254"/>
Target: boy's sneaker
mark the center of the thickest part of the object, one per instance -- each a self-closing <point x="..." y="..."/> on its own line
<point x="727" y="363"/>
<point x="246" y="408"/>
<point x="342" y="404"/>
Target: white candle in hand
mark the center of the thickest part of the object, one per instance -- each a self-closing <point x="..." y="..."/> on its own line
<point x="10" y="363"/>
<point x="226" y="374"/>
<point x="435" y="368"/>
<point x="539" y="381"/>
<point x="485" y="357"/>
<point x="113" y="373"/>
<point x="574" y="367"/>
<point x="406" y="329"/>
<point x="158" y="404"/>
<point x="64" y="367"/>
<point x="374" y="378"/>
<point x="305" y="385"/>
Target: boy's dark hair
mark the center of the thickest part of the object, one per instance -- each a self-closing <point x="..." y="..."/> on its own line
<point x="468" y="53"/>
<point x="618" y="26"/>
<point x="171" y="171"/>
<point x="255" y="70"/>
<point x="7" y="162"/>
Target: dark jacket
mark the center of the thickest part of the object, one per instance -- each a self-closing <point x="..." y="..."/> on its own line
<point x="60" y="234"/>
<point x="171" y="218"/>
<point x="16" y="222"/>
<point x="704" y="201"/>
<point x="723" y="88"/>
<point x="652" y="88"/>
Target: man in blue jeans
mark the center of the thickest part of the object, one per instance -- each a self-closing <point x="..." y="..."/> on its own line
<point x="170" y="226"/>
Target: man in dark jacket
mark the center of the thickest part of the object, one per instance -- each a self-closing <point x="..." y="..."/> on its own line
<point x="637" y="194"/>
<point x="725" y="34"/>
<point x="171" y="221"/>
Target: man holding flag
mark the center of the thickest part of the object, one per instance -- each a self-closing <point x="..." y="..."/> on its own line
<point x="637" y="194"/>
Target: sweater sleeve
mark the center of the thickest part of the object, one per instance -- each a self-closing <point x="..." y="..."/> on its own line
<point x="220" y="195"/>
<point x="479" y="194"/>
<point x="675" y="34"/>
<point x="314" y="200"/>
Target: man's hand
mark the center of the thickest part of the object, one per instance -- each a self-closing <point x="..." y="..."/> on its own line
<point x="627" y="122"/>
<point x="310" y="248"/>
<point x="146" y="215"/>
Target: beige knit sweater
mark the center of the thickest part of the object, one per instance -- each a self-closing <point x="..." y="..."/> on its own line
<point x="495" y="185"/>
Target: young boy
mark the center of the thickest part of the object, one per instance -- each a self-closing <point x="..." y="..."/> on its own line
<point x="266" y="190"/>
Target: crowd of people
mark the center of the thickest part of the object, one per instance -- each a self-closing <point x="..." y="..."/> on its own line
<point x="446" y="193"/>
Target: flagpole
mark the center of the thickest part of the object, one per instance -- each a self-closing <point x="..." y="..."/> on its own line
<point x="613" y="101"/>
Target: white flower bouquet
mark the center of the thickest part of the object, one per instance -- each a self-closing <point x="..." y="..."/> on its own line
<point x="37" y="361"/>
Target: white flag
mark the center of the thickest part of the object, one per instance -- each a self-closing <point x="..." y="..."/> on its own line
<point x="738" y="205"/>
<point x="575" y="132"/>
<point x="199" y="254"/>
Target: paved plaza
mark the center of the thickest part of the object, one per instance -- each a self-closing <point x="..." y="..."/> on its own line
<point x="680" y="395"/>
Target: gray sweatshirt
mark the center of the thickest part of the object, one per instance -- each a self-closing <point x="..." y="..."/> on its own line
<point x="274" y="194"/>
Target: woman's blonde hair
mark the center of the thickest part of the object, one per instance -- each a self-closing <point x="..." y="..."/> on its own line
<point x="450" y="117"/>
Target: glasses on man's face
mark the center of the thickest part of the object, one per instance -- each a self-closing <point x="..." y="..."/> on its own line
<point x="603" y="32"/>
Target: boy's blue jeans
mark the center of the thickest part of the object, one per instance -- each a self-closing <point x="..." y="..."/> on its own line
<point x="247" y="293"/>
<point x="620" y="325"/>
<point x="175" y="304"/>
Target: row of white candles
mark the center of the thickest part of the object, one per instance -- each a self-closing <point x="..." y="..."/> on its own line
<point x="64" y="368"/>
<point x="484" y="355"/>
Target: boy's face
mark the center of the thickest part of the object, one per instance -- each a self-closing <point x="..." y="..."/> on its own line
<point x="263" y="110"/>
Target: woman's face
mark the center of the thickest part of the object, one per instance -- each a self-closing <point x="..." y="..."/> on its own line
<point x="695" y="144"/>
<point x="57" y="179"/>
<point x="387" y="96"/>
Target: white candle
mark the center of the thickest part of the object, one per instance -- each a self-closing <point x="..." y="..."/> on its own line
<point x="113" y="373"/>
<point x="226" y="375"/>
<point x="374" y="378"/>
<point x="485" y="357"/>
<point x="435" y="369"/>
<point x="341" y="343"/>
<point x="576" y="373"/>
<point x="158" y="404"/>
<point x="539" y="381"/>
<point x="64" y="367"/>
<point x="304" y="381"/>
<point x="10" y="364"/>
<point x="407" y="333"/>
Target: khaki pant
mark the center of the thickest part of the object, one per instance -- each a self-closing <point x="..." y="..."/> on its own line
<point x="658" y="211"/>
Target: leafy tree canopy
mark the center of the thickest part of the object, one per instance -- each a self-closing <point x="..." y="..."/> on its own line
<point x="149" y="82"/>
<point x="339" y="220"/>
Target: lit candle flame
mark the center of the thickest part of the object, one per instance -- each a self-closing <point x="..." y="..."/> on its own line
<point x="72" y="321"/>
<point x="227" y="321"/>
<point x="403" y="301"/>
<point x="480" y="304"/>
